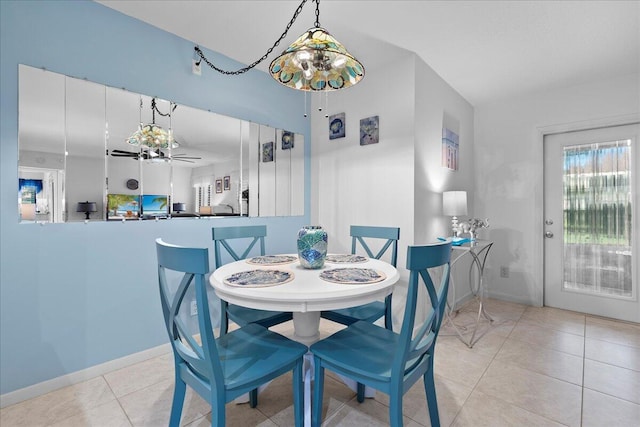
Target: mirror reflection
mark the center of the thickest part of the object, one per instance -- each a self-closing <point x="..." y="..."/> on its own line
<point x="88" y="151"/>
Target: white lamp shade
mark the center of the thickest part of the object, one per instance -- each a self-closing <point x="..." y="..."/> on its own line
<point x="454" y="203"/>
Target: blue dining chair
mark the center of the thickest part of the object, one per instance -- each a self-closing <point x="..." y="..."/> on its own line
<point x="248" y="237"/>
<point x="374" y="310"/>
<point x="387" y="361"/>
<point x="218" y="369"/>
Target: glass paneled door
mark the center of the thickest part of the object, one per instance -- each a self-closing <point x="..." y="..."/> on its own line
<point x="591" y="221"/>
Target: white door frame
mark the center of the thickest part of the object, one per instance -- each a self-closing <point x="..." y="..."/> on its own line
<point x="542" y="131"/>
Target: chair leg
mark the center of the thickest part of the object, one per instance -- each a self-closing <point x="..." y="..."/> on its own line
<point x="360" y="391"/>
<point x="318" y="389"/>
<point x="218" y="413"/>
<point x="224" y="318"/>
<point x="253" y="398"/>
<point x="395" y="409"/>
<point x="430" y="390"/>
<point x="178" y="400"/>
<point x="388" y="320"/>
<point x="298" y="395"/>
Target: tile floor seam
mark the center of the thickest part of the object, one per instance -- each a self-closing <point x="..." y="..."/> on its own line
<point x="612" y="395"/>
<point x="125" y="412"/>
<point x="545" y="347"/>
<point x="530" y="410"/>
<point x="481" y="376"/>
<point x="612" y="365"/>
<point x="546" y="326"/>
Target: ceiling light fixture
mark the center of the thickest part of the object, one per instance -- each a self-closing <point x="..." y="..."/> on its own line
<point x="314" y="62"/>
<point x="152" y="135"/>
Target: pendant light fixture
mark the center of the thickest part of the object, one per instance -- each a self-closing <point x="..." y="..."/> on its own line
<point x="151" y="135"/>
<point x="314" y="62"/>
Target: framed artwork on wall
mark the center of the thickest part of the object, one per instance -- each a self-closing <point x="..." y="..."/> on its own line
<point x="287" y="140"/>
<point x="337" y="126"/>
<point x="369" y="130"/>
<point x="267" y="152"/>
<point x="218" y="186"/>
<point x="450" y="149"/>
<point x="226" y="183"/>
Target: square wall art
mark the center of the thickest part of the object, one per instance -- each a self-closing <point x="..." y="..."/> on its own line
<point x="287" y="140"/>
<point x="369" y="131"/>
<point x="267" y="152"/>
<point x="337" y="126"/>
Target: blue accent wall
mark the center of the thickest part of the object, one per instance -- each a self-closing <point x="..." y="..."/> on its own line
<point x="77" y="295"/>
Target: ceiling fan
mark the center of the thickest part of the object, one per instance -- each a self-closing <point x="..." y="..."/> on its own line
<point x="154" y="155"/>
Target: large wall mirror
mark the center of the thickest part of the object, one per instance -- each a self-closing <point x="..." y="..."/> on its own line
<point x="81" y="157"/>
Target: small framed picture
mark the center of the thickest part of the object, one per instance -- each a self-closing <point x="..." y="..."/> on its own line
<point x="218" y="186"/>
<point x="369" y="131"/>
<point x="267" y="152"/>
<point x="337" y="126"/>
<point x="226" y="183"/>
<point x="287" y="140"/>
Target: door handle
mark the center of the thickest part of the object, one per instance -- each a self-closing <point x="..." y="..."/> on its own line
<point x="548" y="234"/>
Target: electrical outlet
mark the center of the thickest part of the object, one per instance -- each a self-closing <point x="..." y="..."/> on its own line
<point x="504" y="271"/>
<point x="194" y="308"/>
<point x="196" y="68"/>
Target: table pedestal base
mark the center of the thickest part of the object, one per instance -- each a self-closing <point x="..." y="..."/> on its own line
<point x="306" y="327"/>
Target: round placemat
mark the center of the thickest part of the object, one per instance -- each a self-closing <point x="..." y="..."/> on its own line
<point x="345" y="258"/>
<point x="272" y="259"/>
<point x="353" y="276"/>
<point x="258" y="278"/>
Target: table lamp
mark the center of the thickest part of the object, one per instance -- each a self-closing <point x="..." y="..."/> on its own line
<point x="454" y="203"/>
<point x="87" y="208"/>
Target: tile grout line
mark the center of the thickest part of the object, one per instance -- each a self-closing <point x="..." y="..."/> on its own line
<point x="118" y="400"/>
<point x="485" y="371"/>
<point x="529" y="410"/>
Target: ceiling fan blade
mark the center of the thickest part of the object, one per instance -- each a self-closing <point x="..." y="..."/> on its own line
<point x="182" y="160"/>
<point x="123" y="155"/>
<point x="186" y="157"/>
<point x="125" y="152"/>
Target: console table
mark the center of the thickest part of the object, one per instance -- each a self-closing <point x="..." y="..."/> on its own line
<point x="478" y="250"/>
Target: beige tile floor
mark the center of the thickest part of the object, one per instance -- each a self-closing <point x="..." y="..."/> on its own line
<point x="531" y="367"/>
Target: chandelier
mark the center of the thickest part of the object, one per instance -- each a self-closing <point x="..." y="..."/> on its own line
<point x="152" y="135"/>
<point x="316" y="61"/>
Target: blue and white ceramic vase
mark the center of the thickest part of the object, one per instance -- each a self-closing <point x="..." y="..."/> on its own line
<point x="312" y="246"/>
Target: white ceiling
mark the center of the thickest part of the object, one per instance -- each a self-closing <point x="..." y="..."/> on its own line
<point x="486" y="50"/>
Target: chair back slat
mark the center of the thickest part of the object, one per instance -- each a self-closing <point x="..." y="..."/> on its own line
<point x="222" y="235"/>
<point x="418" y="341"/>
<point x="191" y="265"/>
<point x="361" y="234"/>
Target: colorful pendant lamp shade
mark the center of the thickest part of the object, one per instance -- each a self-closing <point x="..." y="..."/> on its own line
<point x="316" y="62"/>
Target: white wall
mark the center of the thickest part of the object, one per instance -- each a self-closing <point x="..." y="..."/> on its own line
<point x="399" y="181"/>
<point x="371" y="184"/>
<point x="508" y="190"/>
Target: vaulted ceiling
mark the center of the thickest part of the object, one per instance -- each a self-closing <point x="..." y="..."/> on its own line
<point x="486" y="50"/>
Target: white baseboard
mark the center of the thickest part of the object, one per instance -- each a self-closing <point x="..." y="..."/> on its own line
<point x="503" y="296"/>
<point x="80" y="376"/>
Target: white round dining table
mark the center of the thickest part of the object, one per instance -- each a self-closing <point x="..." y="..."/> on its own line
<point x="307" y="294"/>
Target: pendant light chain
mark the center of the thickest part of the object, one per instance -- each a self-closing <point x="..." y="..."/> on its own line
<point x="317" y="23"/>
<point x="249" y="67"/>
